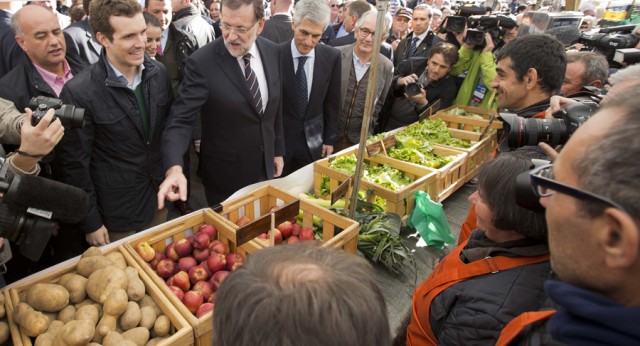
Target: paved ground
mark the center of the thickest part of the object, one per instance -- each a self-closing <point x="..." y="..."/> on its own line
<point x="397" y="288"/>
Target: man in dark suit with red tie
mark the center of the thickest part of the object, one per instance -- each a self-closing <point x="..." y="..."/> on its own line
<point x="311" y="87"/>
<point x="235" y="84"/>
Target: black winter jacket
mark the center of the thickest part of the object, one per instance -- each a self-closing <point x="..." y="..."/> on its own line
<point x="113" y="158"/>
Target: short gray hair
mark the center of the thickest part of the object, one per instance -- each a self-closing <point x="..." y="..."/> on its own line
<point x="596" y="66"/>
<point x="628" y="73"/>
<point x="315" y="11"/>
<point x="15" y="23"/>
<point x="385" y="23"/>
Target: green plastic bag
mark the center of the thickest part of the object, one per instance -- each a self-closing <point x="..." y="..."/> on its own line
<point x="429" y="220"/>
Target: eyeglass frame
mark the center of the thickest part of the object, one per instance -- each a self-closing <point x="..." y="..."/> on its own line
<point x="367" y="33"/>
<point x="538" y="180"/>
<point x="240" y="30"/>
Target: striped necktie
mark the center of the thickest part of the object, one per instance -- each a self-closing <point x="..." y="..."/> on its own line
<point x="413" y="47"/>
<point x="252" y="83"/>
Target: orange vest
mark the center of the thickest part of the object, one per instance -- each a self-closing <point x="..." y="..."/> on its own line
<point x="450" y="271"/>
<point x="515" y="327"/>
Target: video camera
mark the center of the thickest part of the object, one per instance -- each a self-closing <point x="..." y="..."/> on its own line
<point x="70" y="116"/>
<point x="608" y="40"/>
<point x="521" y="131"/>
<point x="478" y="24"/>
<point x="30" y="207"/>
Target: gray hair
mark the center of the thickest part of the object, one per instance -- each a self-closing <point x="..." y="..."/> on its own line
<point x="385" y="23"/>
<point x="301" y="295"/>
<point x="596" y="66"/>
<point x="15" y="23"/>
<point x="315" y="11"/>
<point x="423" y="7"/>
<point x="628" y="73"/>
<point x="609" y="167"/>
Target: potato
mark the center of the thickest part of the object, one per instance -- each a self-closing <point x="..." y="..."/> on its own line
<point x="76" y="285"/>
<point x="162" y="326"/>
<point x="47" y="297"/>
<point x="147" y="317"/>
<point x="32" y="322"/>
<point x="93" y="344"/>
<point x="155" y="341"/>
<point x="88" y="312"/>
<point x="131" y="317"/>
<point x="52" y="316"/>
<point x="116" y="303"/>
<point x="4" y="332"/>
<point x="139" y="335"/>
<point x="67" y="314"/>
<point x="113" y="339"/>
<point x="135" y="289"/>
<point x="55" y="327"/>
<point x="87" y="301"/>
<point x="105" y="280"/>
<point x="92" y="251"/>
<point x="148" y="301"/>
<point x="107" y="323"/>
<point x="88" y="265"/>
<point x="45" y="339"/>
<point x="75" y="333"/>
<point x="118" y="259"/>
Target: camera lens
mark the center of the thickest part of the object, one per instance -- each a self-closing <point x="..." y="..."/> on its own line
<point x="412" y="89"/>
<point x="71" y="117"/>
<point x="522" y="131"/>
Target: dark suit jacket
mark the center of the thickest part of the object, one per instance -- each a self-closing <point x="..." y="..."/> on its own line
<point x="278" y="28"/>
<point x="81" y="41"/>
<point x="385" y="48"/>
<point x="319" y="124"/>
<point x="422" y="50"/>
<point x="238" y="145"/>
<point x="12" y="54"/>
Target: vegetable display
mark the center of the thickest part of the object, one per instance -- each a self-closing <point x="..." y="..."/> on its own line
<point x="382" y="175"/>
<point x="463" y="113"/>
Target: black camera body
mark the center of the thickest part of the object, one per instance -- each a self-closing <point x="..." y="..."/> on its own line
<point x="413" y="89"/>
<point x="496" y="26"/>
<point x="70" y="116"/>
<point x="521" y="131"/>
<point x="608" y="40"/>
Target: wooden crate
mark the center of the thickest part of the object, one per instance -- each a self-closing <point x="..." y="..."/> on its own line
<point x="468" y="123"/>
<point x="15" y="338"/>
<point x="173" y="231"/>
<point x="259" y="201"/>
<point x="182" y="333"/>
<point x="481" y="148"/>
<point x="401" y="201"/>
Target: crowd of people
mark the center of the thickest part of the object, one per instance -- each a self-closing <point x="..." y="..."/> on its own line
<point x="257" y="98"/>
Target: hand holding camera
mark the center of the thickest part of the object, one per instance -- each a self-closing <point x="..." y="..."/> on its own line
<point x="415" y="93"/>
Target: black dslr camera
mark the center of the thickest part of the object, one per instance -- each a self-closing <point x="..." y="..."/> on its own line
<point x="70" y="116"/>
<point x="413" y="89"/>
<point x="521" y="131"/>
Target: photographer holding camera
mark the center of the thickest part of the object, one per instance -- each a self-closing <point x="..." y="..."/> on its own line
<point x="419" y="82"/>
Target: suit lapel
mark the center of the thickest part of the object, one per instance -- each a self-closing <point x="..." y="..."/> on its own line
<point x="229" y="66"/>
<point x="320" y="72"/>
<point x="288" y="73"/>
<point x="97" y="48"/>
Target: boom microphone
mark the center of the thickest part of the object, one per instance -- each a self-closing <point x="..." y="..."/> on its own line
<point x="47" y="198"/>
<point x="567" y="34"/>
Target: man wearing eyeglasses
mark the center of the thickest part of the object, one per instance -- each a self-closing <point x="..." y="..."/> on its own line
<point x="235" y="83"/>
<point x="311" y="84"/>
<point x="591" y="197"/>
<point x="356" y="59"/>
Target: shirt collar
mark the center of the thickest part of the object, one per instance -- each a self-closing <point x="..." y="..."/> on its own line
<point x="356" y="60"/>
<point x="50" y="76"/>
<point x="136" y="80"/>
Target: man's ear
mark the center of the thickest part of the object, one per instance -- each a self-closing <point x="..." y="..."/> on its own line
<point x="597" y="83"/>
<point x="619" y="239"/>
<point x="20" y="41"/>
<point x="102" y="39"/>
<point x="531" y="78"/>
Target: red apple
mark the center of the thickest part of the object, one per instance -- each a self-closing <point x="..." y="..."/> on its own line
<point x="216" y="262"/>
<point x="277" y="237"/>
<point x="201" y="240"/>
<point x="218" y="247"/>
<point x="171" y="253"/>
<point x="178" y="292"/>
<point x="286" y="228"/>
<point x="234" y="260"/>
<point x="243" y="221"/>
<point x="204" y="287"/>
<point x="166" y="268"/>
<point x="263" y="236"/>
<point x="183" y="247"/>
<point x="185" y="263"/>
<point x="295" y="229"/>
<point x="306" y="233"/>
<point x="294" y="220"/>
<point x="197" y="273"/>
<point x="159" y="256"/>
<point x="181" y="280"/>
<point x="203" y="309"/>
<point x="201" y="255"/>
<point x="169" y="281"/>
<point x="210" y="230"/>
<point x="212" y="298"/>
<point x="192" y="300"/>
<point x="145" y="251"/>
<point x="217" y="278"/>
<point x="190" y="239"/>
<point x="293" y="240"/>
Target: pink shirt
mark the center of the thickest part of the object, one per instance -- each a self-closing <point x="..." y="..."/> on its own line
<point x="53" y="80"/>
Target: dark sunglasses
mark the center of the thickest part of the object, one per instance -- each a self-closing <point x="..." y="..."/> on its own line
<point x="544" y="185"/>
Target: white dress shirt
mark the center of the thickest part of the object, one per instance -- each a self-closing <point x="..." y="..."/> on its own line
<point x="258" y="69"/>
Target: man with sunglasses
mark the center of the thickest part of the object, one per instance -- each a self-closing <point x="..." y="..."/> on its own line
<point x="235" y="84"/>
<point x="591" y="197"/>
